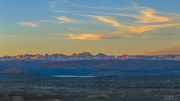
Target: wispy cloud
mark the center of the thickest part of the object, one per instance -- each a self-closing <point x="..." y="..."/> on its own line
<point x="138" y="29"/>
<point x="148" y="15"/>
<point x="57" y="20"/>
<point x="143" y="19"/>
<point x="8" y="37"/>
<point x="85" y="36"/>
<point x="126" y="30"/>
<point x="28" y="24"/>
<point x="70" y="3"/>
<point x="64" y="19"/>
<point x="166" y="51"/>
<point x="122" y="31"/>
<point x="108" y="20"/>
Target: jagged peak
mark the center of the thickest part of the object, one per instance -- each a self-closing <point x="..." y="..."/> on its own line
<point x="86" y="56"/>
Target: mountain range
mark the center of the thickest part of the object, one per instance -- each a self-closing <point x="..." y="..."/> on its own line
<point x="87" y="56"/>
<point x="86" y="64"/>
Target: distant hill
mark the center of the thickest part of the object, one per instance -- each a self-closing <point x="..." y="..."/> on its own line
<point x="91" y="67"/>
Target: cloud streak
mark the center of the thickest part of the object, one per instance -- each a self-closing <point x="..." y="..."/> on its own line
<point x="28" y="24"/>
<point x="134" y="30"/>
<point x="148" y="15"/>
<point x="144" y="19"/>
<point x="108" y="20"/>
<point x="126" y="30"/>
<point x="166" y="51"/>
<point x="85" y="36"/>
<point x="64" y="19"/>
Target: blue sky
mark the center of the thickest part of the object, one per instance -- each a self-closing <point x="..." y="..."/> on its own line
<point x="109" y="26"/>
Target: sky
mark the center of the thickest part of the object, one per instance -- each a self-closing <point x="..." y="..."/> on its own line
<point x="98" y="26"/>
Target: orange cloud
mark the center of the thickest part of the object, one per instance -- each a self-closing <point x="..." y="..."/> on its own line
<point x="144" y="28"/>
<point x="148" y="16"/>
<point x="129" y="31"/>
<point x="124" y="31"/>
<point x="85" y="36"/>
<point x="145" y="19"/>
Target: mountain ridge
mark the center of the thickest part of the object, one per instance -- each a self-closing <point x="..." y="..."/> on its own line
<point x="87" y="56"/>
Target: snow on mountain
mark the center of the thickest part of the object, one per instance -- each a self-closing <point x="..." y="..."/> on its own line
<point x="86" y="56"/>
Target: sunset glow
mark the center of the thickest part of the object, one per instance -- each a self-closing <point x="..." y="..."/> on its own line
<point x="98" y="26"/>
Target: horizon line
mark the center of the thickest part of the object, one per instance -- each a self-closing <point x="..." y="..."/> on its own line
<point x="123" y="54"/>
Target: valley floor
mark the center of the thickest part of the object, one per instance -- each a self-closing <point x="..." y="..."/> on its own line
<point x="31" y="88"/>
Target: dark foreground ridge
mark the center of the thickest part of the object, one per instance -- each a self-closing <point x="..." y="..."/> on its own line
<point x="27" y="87"/>
<point x="90" y="80"/>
